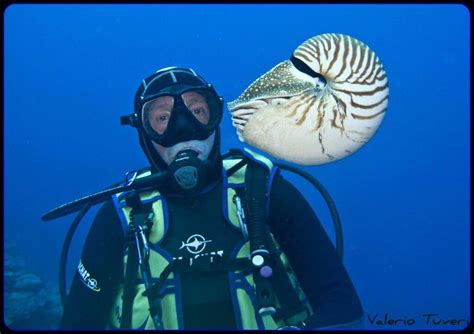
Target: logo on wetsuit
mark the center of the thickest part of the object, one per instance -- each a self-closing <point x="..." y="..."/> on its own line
<point x="195" y="244"/>
<point x="86" y="278"/>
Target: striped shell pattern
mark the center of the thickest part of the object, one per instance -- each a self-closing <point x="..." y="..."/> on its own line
<point x="320" y="106"/>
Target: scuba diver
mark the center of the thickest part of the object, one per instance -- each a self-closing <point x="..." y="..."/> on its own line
<point x="223" y="242"/>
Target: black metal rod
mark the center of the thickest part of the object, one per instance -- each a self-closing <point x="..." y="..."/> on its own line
<point x="76" y="205"/>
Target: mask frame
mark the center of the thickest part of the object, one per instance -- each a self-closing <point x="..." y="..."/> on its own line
<point x="182" y="125"/>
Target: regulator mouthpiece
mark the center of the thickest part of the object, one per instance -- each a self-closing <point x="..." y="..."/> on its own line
<point x="186" y="170"/>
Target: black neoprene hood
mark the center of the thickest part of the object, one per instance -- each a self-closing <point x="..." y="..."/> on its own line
<point x="172" y="80"/>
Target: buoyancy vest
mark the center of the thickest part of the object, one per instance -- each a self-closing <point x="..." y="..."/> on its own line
<point x="241" y="282"/>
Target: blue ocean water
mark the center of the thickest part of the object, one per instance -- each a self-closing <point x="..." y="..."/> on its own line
<point x="72" y="70"/>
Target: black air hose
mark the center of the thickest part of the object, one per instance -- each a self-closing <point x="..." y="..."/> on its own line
<point x="329" y="202"/>
<point x="65" y="250"/>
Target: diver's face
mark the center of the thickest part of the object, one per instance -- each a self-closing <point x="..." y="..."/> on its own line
<point x="201" y="147"/>
<point x="197" y="104"/>
<point x="158" y="112"/>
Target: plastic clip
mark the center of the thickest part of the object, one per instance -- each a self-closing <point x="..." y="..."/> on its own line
<point x="130" y="177"/>
<point x="241" y="216"/>
<point x="141" y="241"/>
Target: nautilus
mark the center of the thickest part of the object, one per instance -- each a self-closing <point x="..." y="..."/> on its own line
<point x="319" y="106"/>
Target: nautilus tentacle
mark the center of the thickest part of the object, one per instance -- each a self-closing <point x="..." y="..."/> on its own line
<point x="321" y="105"/>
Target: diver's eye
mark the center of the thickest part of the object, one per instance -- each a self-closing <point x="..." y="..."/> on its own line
<point x="201" y="114"/>
<point x="163" y="118"/>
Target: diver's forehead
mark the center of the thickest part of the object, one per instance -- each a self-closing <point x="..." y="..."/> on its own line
<point x="161" y="101"/>
<point x="193" y="97"/>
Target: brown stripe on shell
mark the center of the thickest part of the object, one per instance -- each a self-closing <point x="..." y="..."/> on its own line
<point x="307" y="49"/>
<point x="354" y="48"/>
<point x="344" y="56"/>
<point x="300" y="106"/>
<point x="321" y="114"/>
<point x="362" y="93"/>
<point x="320" y="137"/>
<point x="314" y="46"/>
<point x="310" y="48"/>
<point x="295" y="103"/>
<point x="325" y="43"/>
<point x="364" y="66"/>
<point x="355" y="116"/>
<point x="370" y="106"/>
<point x="300" y="54"/>
<point x="368" y="65"/>
<point x="336" y="55"/>
<point x="305" y="112"/>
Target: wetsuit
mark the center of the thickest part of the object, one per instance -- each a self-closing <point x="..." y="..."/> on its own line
<point x="206" y="301"/>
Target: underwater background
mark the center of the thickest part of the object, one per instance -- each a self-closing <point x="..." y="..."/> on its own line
<point x="70" y="72"/>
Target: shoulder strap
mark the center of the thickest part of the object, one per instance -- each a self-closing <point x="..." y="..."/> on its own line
<point x="139" y="218"/>
<point x="256" y="198"/>
<point x="129" y="285"/>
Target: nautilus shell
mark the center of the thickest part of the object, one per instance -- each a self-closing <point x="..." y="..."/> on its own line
<point x="320" y="106"/>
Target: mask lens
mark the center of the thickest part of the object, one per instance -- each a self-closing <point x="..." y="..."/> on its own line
<point x="157" y="113"/>
<point x="202" y="105"/>
<point x="198" y="106"/>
